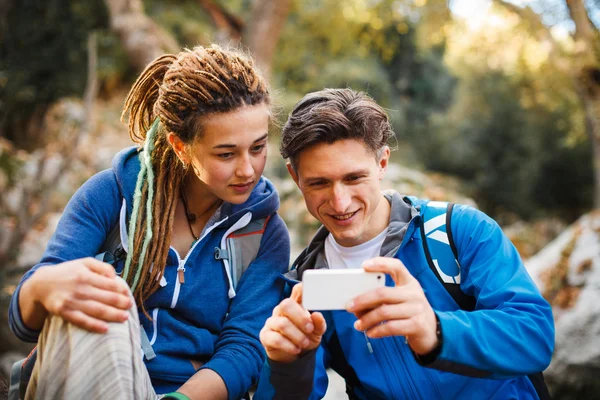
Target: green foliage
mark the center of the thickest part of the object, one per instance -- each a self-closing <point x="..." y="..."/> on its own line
<point x="43" y="57"/>
<point x="516" y="158"/>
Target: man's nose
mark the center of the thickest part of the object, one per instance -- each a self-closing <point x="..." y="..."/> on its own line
<point x="340" y="198"/>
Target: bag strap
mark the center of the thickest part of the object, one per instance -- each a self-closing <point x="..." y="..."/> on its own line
<point x="440" y="251"/>
<point x="242" y="247"/>
<point x="436" y="233"/>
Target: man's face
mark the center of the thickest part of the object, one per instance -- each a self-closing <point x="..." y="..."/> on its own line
<point x="341" y="187"/>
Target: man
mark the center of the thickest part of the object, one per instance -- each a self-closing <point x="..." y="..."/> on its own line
<point x="409" y="340"/>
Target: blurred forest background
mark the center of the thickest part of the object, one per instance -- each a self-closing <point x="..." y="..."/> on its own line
<point x="494" y="102"/>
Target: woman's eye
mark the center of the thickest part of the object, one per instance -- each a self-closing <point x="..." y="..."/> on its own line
<point x="225" y="155"/>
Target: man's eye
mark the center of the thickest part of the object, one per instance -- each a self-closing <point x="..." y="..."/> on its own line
<point x="316" y="183"/>
<point x="258" y="148"/>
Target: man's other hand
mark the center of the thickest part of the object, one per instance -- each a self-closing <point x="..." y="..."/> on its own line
<point x="292" y="330"/>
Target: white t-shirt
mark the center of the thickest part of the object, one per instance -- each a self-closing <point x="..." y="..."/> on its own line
<point x="339" y="257"/>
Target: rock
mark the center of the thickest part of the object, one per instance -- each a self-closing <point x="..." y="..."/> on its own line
<point x="568" y="273"/>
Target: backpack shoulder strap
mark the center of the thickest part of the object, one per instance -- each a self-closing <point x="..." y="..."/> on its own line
<point x="242" y="247"/>
<point x="112" y="250"/>
<point x="440" y="250"/>
<point x="442" y="257"/>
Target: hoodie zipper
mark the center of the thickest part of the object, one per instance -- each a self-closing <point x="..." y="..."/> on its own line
<point x="181" y="262"/>
<point x="384" y="368"/>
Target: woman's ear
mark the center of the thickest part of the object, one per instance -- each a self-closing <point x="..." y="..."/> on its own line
<point x="178" y="147"/>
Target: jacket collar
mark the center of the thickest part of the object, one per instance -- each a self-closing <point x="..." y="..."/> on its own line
<point x="402" y="214"/>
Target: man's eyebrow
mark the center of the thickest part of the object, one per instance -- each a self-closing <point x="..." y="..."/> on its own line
<point x="313" y="179"/>
<point x="357" y="172"/>
<point x="231" y="146"/>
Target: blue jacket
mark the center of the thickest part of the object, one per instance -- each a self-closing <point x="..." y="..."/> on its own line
<point x="486" y="354"/>
<point x="195" y="320"/>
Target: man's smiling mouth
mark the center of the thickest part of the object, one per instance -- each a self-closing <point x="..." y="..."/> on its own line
<point x="344" y="217"/>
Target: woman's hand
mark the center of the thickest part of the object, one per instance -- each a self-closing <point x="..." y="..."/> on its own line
<point x="85" y="292"/>
<point x="292" y="330"/>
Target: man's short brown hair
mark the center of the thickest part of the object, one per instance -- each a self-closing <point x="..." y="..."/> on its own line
<point x="331" y="115"/>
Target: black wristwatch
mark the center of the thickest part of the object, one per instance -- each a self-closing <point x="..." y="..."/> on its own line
<point x="430" y="357"/>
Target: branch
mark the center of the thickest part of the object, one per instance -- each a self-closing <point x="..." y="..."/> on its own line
<point x="532" y="18"/>
<point x="266" y="24"/>
<point x="225" y="21"/>
<point x="585" y="33"/>
<point x="142" y="39"/>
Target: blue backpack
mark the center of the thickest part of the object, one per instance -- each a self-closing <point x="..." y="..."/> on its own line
<point x="442" y="257"/>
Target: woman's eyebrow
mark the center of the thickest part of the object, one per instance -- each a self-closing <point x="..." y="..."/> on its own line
<point x="229" y="146"/>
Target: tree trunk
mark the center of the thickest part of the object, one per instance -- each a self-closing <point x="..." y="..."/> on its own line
<point x="261" y="36"/>
<point x="587" y="60"/>
<point x="583" y="64"/>
<point x="142" y="39"/>
<point x="589" y="92"/>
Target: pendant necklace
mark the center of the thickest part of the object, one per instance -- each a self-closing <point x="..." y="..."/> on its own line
<point x="190" y="217"/>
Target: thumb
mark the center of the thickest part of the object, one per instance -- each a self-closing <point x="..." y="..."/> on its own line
<point x="319" y="323"/>
<point x="297" y="293"/>
<point x="391" y="266"/>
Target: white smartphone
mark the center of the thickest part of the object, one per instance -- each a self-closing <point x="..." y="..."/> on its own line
<point x="332" y="289"/>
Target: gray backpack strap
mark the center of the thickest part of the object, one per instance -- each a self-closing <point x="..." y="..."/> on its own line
<point x="112" y="248"/>
<point x="15" y="381"/>
<point x="146" y="346"/>
<point x="242" y="248"/>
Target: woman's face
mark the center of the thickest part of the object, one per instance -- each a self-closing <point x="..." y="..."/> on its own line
<point x="230" y="156"/>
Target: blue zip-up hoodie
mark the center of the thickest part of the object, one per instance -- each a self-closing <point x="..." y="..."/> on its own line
<point x="191" y="322"/>
<point x="486" y="354"/>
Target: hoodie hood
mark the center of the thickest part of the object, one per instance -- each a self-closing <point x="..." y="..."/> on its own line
<point x="263" y="200"/>
<point x="401" y="215"/>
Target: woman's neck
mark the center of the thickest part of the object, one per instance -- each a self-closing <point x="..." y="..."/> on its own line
<point x="200" y="200"/>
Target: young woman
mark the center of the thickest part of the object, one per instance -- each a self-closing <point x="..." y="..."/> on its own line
<point x="200" y="120"/>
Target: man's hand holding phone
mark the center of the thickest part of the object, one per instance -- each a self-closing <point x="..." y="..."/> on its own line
<point x="402" y="310"/>
<point x="291" y="330"/>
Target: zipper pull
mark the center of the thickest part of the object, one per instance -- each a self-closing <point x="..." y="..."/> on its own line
<point x="180" y="274"/>
<point x="368" y="342"/>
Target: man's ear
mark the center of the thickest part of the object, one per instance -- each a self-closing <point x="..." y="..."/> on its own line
<point x="292" y="173"/>
<point x="383" y="161"/>
<point x="178" y="147"/>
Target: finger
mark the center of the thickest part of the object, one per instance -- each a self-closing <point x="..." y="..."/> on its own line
<point x="99" y="267"/>
<point x="101" y="311"/>
<point x="319" y="323"/>
<point x="275" y="341"/>
<point x="84" y="321"/>
<point x="114" y="284"/>
<point x="297" y="293"/>
<point x="391" y="266"/>
<point x="296" y="314"/>
<point x="107" y="297"/>
<point x="404" y="327"/>
<point x="288" y="330"/>
<point x="386" y="312"/>
<point x="377" y="297"/>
